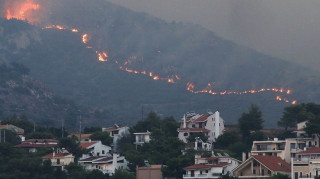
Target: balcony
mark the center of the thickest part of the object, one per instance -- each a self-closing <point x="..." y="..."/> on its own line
<point x="209" y="175"/>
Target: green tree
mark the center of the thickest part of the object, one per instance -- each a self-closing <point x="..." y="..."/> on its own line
<point x="251" y="121"/>
<point x="227" y="139"/>
<point x="95" y="174"/>
<point x="227" y="176"/>
<point x="193" y="136"/>
<point x="121" y="174"/>
<point x="103" y="136"/>
<point x="293" y="114"/>
<point x="39" y="135"/>
<point x="279" y="176"/>
<point x="150" y="123"/>
<point x="72" y="146"/>
<point x="27" y="125"/>
<point x="88" y="130"/>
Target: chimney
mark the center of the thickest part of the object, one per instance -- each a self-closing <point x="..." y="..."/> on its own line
<point x="244" y="156"/>
<point x="114" y="161"/>
<point x="217" y="121"/>
<point x="196" y="158"/>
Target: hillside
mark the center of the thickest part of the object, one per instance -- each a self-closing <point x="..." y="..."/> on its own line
<point x="59" y="59"/>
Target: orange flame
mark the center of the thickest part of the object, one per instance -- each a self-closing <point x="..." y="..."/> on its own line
<point x="23" y="11"/>
<point x="85" y="38"/>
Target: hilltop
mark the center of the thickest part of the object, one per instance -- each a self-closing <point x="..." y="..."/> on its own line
<point x="69" y="67"/>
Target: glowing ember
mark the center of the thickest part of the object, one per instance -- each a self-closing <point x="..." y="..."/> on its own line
<point x="85" y="38"/>
<point x="74" y="30"/>
<point x="103" y="56"/>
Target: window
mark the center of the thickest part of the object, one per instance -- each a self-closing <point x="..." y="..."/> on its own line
<point x="262" y="172"/>
<point x="208" y="171"/>
<point x="185" y="134"/>
<point x="200" y="172"/>
<point x="58" y="161"/>
<point x="292" y="146"/>
<point x="269" y="172"/>
<point x="254" y="171"/>
<point x="193" y="125"/>
<point x="102" y="151"/>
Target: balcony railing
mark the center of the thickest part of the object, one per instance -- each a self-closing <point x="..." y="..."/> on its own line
<point x="209" y="175"/>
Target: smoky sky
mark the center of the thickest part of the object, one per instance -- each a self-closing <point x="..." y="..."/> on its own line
<point x="288" y="29"/>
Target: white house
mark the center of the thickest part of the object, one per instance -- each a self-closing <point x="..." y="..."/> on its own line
<point x="210" y="167"/>
<point x="116" y="132"/>
<point x="106" y="164"/>
<point x="141" y="138"/>
<point x="60" y="159"/>
<point x="96" y="148"/>
<point x="211" y="125"/>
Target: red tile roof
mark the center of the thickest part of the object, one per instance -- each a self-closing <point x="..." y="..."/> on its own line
<point x="56" y="155"/>
<point x="273" y="163"/>
<point x="202" y="118"/>
<point x="3" y="126"/>
<point x="115" y="127"/>
<point x="205" y="166"/>
<point x="194" y="130"/>
<point x="35" y="145"/>
<point x="86" y="144"/>
<point x="314" y="150"/>
<point x="40" y="141"/>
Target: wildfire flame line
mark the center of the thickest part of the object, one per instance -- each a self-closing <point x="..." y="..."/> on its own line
<point x="22" y="11"/>
<point x="103" y="57"/>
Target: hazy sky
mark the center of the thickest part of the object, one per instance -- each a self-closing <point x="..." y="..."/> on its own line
<point x="289" y="29"/>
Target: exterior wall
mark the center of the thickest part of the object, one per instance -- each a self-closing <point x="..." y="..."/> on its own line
<point x="203" y="173"/>
<point x="98" y="149"/>
<point x="215" y="124"/>
<point x="149" y="173"/>
<point x="301" y="125"/>
<point x="254" y="171"/>
<point x="307" y="166"/>
<point x="291" y="147"/>
<point x="142" y="138"/>
<point x="182" y="137"/>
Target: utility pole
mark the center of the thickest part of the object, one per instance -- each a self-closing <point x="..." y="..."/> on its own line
<point x="80" y="127"/>
<point x="142" y="112"/>
<point x="62" y="123"/>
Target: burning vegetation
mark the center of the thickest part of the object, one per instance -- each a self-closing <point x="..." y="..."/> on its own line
<point x="24" y="10"/>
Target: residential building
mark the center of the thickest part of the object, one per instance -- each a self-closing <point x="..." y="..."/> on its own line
<point x="142" y="138"/>
<point x="149" y="172"/>
<point x="106" y="164"/>
<point x="32" y="145"/>
<point x="12" y="128"/>
<point x="306" y="164"/>
<point x="288" y="148"/>
<point x="60" y="159"/>
<point x="211" y="167"/>
<point x="258" y="166"/>
<point x="211" y="125"/>
<point x="96" y="148"/>
<point x="116" y="132"/>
